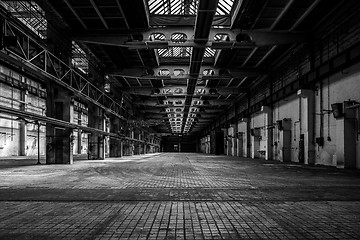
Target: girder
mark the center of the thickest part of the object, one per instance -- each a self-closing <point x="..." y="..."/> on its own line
<point x="179" y="102"/>
<point x="183" y="72"/>
<point x="180" y="91"/>
<point x="218" y="38"/>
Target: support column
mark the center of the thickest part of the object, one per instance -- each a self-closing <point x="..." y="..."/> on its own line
<point x="248" y="137"/>
<point x="59" y="140"/>
<point x="255" y="142"/>
<point x="115" y="143"/>
<point x="212" y="144"/>
<point x="307" y="124"/>
<point x="96" y="148"/>
<point x="125" y="149"/>
<point x="79" y="142"/>
<point x="132" y="144"/>
<point x="233" y="139"/>
<point x="143" y="145"/>
<point x="227" y="143"/>
<point x="22" y="124"/>
<point x="198" y="144"/>
<point x="267" y="111"/>
<point x="121" y="148"/>
<point x="346" y="134"/>
<point x="115" y="147"/>
<point x="284" y="127"/>
<point x="240" y="144"/>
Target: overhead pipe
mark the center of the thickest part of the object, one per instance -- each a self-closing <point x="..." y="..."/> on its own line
<point x="204" y="18"/>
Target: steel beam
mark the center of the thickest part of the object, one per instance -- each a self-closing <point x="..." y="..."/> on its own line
<point x="183" y="72"/>
<point x="258" y="38"/>
<point x="99" y="14"/>
<point x="61" y="123"/>
<point x="52" y="68"/>
<point x="282" y="13"/>
<point x="305" y="14"/>
<point x="180" y="91"/>
<point x="173" y="103"/>
<point x="75" y="13"/>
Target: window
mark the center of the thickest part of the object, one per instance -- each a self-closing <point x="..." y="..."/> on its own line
<point x="29" y="13"/>
<point x="173" y="7"/>
<point x="175" y="52"/>
<point x="185" y="7"/>
<point x="79" y="59"/>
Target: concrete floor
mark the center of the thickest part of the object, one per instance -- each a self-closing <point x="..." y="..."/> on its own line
<point x="178" y="196"/>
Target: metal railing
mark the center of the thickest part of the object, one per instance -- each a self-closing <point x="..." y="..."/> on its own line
<point x="37" y="56"/>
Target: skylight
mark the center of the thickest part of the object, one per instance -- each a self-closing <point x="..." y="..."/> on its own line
<point x="185" y="7"/>
<point x="173" y="7"/>
<point x="209" y="52"/>
<point x="224" y="7"/>
<point x="175" y="52"/>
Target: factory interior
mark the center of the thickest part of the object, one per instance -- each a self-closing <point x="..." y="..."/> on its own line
<point x="180" y="119"/>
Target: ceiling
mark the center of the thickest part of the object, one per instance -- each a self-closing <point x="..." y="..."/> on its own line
<point x="183" y="62"/>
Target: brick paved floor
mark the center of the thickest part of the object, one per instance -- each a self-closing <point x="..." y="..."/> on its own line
<point x="178" y="196"/>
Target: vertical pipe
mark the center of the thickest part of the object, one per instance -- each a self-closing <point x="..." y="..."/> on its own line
<point x="300" y="110"/>
<point x="321" y="109"/>
<point x="38" y="137"/>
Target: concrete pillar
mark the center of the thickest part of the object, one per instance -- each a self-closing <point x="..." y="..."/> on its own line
<point x="212" y="144"/>
<point x="307" y="124"/>
<point x="198" y="144"/>
<point x="125" y="145"/>
<point x="135" y="145"/>
<point x="346" y="134"/>
<point x="248" y="137"/>
<point x="96" y="145"/>
<point x="121" y="148"/>
<point x="22" y="124"/>
<point x="267" y="111"/>
<point x="240" y="144"/>
<point x="115" y="147"/>
<point x="59" y="139"/>
<point x="79" y="133"/>
<point x="233" y="139"/>
<point x="115" y="143"/>
<point x="285" y="140"/>
<point x="226" y="141"/>
<point x="143" y="145"/>
<point x="255" y="142"/>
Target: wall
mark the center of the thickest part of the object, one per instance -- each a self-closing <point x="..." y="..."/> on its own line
<point x="338" y="88"/>
<point x="11" y="129"/>
<point x="308" y="112"/>
<point x="287" y="109"/>
<point x="179" y="144"/>
<point x="301" y="118"/>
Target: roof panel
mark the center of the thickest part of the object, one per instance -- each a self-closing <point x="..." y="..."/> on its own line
<point x="185" y="7"/>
